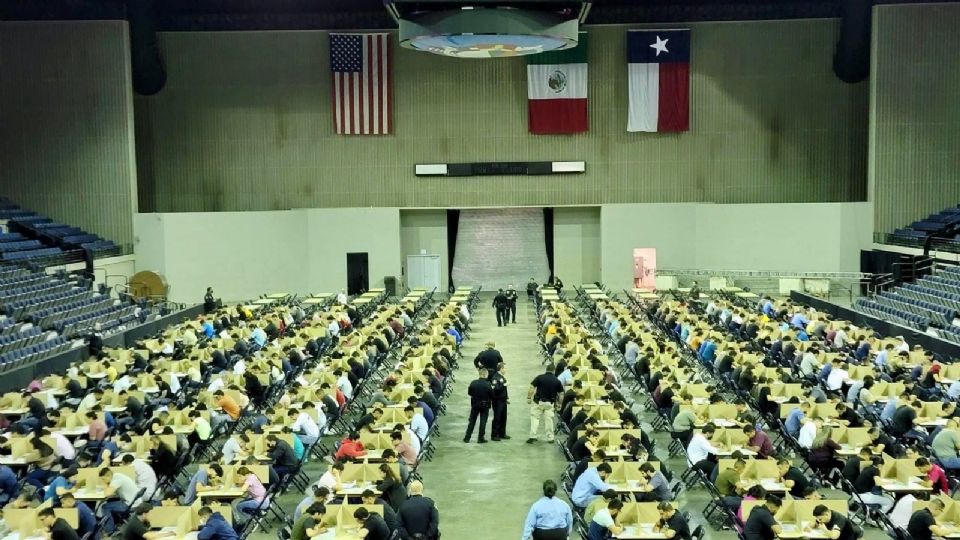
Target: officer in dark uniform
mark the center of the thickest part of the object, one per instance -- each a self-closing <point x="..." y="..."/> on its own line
<point x="695" y="292"/>
<point x="512" y="303"/>
<point x="481" y="398"/>
<point x="501" y="304"/>
<point x="557" y="284"/>
<point x="209" y="302"/>
<point x="498" y="428"/>
<point x="489" y="358"/>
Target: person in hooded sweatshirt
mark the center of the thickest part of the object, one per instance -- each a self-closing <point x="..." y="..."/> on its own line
<point x="213" y="526"/>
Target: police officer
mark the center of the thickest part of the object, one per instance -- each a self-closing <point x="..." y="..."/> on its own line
<point x="481" y="398"/>
<point x="501" y="304"/>
<point x="498" y="428"/>
<point x="489" y="358"/>
<point x="512" y="303"/>
<point x="557" y="284"/>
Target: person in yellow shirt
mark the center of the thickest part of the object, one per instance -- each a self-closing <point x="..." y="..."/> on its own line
<point x="110" y="371"/>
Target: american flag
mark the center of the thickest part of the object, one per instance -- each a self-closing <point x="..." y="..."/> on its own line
<point x="362" y="81"/>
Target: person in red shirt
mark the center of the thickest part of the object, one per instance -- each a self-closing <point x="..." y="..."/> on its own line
<point x="97" y="430"/>
<point x="403" y="449"/>
<point x="936" y="478"/>
<point x="758" y="441"/>
<point x="350" y="447"/>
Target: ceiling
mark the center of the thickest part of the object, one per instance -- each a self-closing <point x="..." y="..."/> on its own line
<point x="227" y="15"/>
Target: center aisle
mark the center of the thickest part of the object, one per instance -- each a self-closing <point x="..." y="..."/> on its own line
<point x="485" y="490"/>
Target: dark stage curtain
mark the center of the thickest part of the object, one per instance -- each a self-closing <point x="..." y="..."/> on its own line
<point x="548" y="239"/>
<point x="453" y="225"/>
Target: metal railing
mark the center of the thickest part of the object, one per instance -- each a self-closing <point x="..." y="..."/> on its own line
<point x="843" y="285"/>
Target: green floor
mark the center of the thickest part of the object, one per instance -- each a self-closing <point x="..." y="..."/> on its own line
<point x="490" y="487"/>
<point x="484" y="491"/>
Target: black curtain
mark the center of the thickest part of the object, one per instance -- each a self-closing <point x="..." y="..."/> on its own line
<point x="548" y="239"/>
<point x="453" y="225"/>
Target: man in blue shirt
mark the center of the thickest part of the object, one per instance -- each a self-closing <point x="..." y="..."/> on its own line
<point x="798" y="320"/>
<point x="881" y="360"/>
<point x="768" y="307"/>
<point x="566" y="378"/>
<point x="453" y="332"/>
<point x="86" y="521"/>
<point x="207" y="328"/>
<point x="8" y="484"/>
<point x="590" y="485"/>
<point x="63" y="480"/>
<point x="795" y="418"/>
<point x="259" y="336"/>
<point x="549" y="518"/>
<point x="708" y="352"/>
<point x="631" y="350"/>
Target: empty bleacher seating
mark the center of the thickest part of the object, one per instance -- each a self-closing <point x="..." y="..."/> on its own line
<point x="943" y="225"/>
<point x="41" y="314"/>
<point x="33" y="236"/>
<point x="930" y="301"/>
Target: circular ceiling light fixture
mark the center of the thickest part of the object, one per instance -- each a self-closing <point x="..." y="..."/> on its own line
<point x="488" y="32"/>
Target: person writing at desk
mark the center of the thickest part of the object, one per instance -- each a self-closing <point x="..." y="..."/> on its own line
<point x="57" y="528"/>
<point x="309" y="524"/>
<point x="833" y="524"/>
<point x="372" y="525"/>
<point x="605" y="524"/>
<point x="672" y="524"/>
<point x="923" y="523"/>
<point x="119" y="493"/>
<point x="760" y="524"/>
<point x="213" y="526"/>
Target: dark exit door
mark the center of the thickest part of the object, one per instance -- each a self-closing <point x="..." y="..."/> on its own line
<point x="358" y="276"/>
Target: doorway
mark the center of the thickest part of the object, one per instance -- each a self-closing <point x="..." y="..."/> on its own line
<point x="358" y="275"/>
<point x="644" y="268"/>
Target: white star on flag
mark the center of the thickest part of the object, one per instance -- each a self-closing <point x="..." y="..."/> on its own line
<point x="660" y="45"/>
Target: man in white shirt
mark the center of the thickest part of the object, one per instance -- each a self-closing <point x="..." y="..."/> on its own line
<point x="902" y="347"/>
<point x="342" y="297"/>
<point x="418" y="424"/>
<point x="414" y="440"/>
<point x="808" y="432"/>
<point x="215" y="384"/>
<point x="146" y="477"/>
<point x="231" y="449"/>
<point x="64" y="448"/>
<point x="700" y="448"/>
<point x="808" y="363"/>
<point x="343" y="383"/>
<point x="240" y="367"/>
<point x="174" y="383"/>
<point x="331" y="479"/>
<point x="304" y="426"/>
<point x="333" y="327"/>
<point x="840" y="338"/>
<point x="837" y="376"/>
<point x="90" y="400"/>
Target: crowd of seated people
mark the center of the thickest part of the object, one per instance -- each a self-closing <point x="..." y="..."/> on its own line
<point x="863" y="413"/>
<point x="214" y="418"/>
<point x="614" y="479"/>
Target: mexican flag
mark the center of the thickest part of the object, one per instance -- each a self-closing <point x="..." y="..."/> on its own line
<point x="557" y="90"/>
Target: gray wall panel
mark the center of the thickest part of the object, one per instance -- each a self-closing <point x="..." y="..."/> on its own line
<point x="915" y="139"/>
<point x="245" y="124"/>
<point x="66" y="107"/>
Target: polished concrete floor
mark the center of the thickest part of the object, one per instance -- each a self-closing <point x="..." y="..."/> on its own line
<point x="485" y="490"/>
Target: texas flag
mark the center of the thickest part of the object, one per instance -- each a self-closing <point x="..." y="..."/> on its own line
<point x="659" y="75"/>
